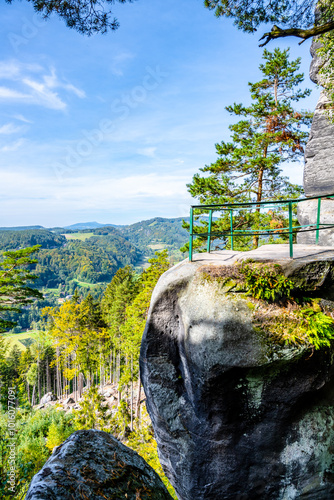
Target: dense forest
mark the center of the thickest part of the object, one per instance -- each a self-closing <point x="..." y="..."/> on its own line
<point x="87" y="259"/>
<point x="82" y="345"/>
<point x="21" y="238"/>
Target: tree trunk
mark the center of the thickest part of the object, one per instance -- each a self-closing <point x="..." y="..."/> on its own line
<point x="39" y="378"/>
<point x="259" y="194"/>
<point x="138" y="398"/>
<point x="131" y="393"/>
<point x="48" y="385"/>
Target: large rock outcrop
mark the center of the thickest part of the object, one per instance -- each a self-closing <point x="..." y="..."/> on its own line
<point x="92" y="464"/>
<point x="319" y="164"/>
<point x="236" y="415"/>
<point x="319" y="152"/>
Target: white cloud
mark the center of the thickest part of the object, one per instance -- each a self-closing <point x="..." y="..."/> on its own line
<point x="22" y="119"/>
<point x="51" y="81"/>
<point x="6" y="93"/>
<point x="42" y="95"/>
<point x="149" y="152"/>
<point x="9" y="128"/>
<point x="118" y="61"/>
<point x="11" y="70"/>
<point x="14" y="146"/>
<point x="43" y="200"/>
<point x="31" y="84"/>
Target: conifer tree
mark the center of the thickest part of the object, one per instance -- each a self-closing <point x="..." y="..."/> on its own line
<point x="269" y="133"/>
<point x="15" y="274"/>
<point x="136" y="314"/>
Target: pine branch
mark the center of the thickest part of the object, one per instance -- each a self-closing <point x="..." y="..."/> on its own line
<point x="277" y="32"/>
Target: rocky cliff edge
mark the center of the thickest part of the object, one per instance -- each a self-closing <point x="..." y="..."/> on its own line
<point x="238" y="413"/>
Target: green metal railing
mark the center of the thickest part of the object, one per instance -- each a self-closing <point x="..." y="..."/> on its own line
<point x="233" y="207"/>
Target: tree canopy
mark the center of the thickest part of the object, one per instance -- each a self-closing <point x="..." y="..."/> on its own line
<point x="14" y="276"/>
<point x="300" y="18"/>
<point x="86" y="16"/>
<point x="270" y="132"/>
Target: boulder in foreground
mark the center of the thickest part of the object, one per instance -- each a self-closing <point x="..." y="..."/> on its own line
<point x="94" y="465"/>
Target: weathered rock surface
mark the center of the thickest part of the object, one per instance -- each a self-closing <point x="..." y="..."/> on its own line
<point x="319" y="164"/>
<point x="237" y="417"/>
<point x="319" y="152"/>
<point x="307" y="214"/>
<point x="49" y="396"/>
<point x="92" y="464"/>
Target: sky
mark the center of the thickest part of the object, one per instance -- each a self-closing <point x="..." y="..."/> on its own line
<point x="111" y="128"/>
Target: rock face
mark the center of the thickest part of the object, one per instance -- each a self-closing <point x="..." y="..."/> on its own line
<point x="307" y="214"/>
<point x="49" y="396"/>
<point x="92" y="464"/>
<point x="319" y="152"/>
<point x="236" y="417"/>
<point x="319" y="164"/>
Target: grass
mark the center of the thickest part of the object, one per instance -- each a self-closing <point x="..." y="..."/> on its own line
<point x="157" y="246"/>
<point x="21" y="340"/>
<point x="83" y="284"/>
<point x="78" y="236"/>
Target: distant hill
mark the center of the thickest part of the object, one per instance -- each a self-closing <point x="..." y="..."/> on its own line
<point x="155" y="234"/>
<point x="93" y="260"/>
<point x="20" y="228"/>
<point x="86" y="225"/>
<point x="148" y="235"/>
<point x="15" y="239"/>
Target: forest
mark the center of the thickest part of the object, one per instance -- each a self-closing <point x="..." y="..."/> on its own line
<point x="88" y="259"/>
<point x="83" y="345"/>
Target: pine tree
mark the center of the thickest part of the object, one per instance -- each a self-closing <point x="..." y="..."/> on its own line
<point x="15" y="273"/>
<point x="136" y="314"/>
<point x="92" y="413"/>
<point x="271" y="132"/>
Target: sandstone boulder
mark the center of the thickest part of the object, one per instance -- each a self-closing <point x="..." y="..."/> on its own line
<point x="319" y="152"/>
<point x="47" y="398"/>
<point x="93" y="464"/>
<point x="319" y="164"/>
<point x="236" y="416"/>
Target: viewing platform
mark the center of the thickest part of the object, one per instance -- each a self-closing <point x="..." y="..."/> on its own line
<point x="270" y="252"/>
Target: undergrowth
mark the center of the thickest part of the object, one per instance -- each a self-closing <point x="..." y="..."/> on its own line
<point x="279" y="308"/>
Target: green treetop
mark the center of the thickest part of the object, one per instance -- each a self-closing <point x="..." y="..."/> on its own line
<point x="269" y="133"/>
<point x="86" y="16"/>
<point x="300" y="18"/>
<point x="15" y="274"/>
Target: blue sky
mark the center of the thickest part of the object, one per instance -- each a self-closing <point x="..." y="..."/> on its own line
<point x="112" y="127"/>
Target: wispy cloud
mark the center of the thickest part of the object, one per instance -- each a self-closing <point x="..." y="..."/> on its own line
<point x="9" y="128"/>
<point x="11" y="70"/>
<point x="51" y="81"/>
<point x="32" y="84"/>
<point x="41" y="94"/>
<point x="13" y="146"/>
<point x="118" y="61"/>
<point x="149" y="152"/>
<point x="6" y="93"/>
<point x="22" y="118"/>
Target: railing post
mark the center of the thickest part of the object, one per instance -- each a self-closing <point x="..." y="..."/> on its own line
<point x="318" y="222"/>
<point x="191" y="235"/>
<point x="290" y="230"/>
<point x="231" y="228"/>
<point x="209" y="232"/>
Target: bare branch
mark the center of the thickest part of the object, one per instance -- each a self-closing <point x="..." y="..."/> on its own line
<point x="277" y="32"/>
